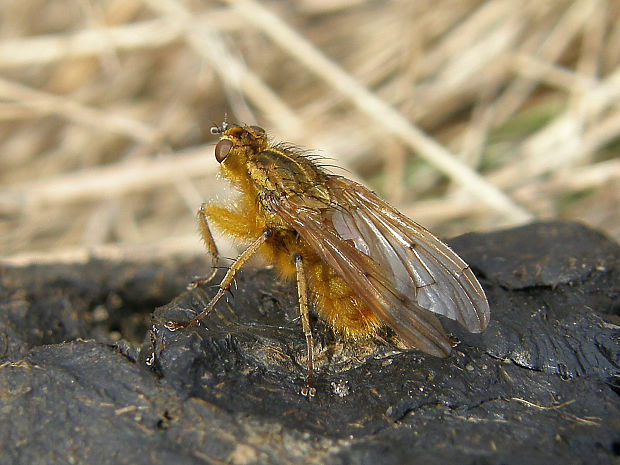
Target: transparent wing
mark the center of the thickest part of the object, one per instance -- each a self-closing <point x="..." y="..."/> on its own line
<point x="421" y="264"/>
<point x="400" y="270"/>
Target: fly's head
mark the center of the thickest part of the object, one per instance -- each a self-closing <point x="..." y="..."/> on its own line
<point x="238" y="140"/>
<point x="236" y="145"/>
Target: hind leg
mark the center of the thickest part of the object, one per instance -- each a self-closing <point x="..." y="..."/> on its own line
<point x="302" y="292"/>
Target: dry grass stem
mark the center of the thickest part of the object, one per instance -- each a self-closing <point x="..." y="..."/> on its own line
<point x="467" y="115"/>
<point x="378" y="110"/>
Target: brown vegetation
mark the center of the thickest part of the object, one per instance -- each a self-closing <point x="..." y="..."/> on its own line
<point x="466" y="115"/>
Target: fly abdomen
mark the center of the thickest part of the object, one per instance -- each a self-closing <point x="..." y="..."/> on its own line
<point x="336" y="303"/>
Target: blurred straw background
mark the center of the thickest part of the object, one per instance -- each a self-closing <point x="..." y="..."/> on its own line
<point x="467" y="115"/>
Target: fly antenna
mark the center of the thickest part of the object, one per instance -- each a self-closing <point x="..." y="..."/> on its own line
<point x="217" y="130"/>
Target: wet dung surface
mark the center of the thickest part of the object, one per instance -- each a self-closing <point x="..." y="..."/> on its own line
<point x="88" y="373"/>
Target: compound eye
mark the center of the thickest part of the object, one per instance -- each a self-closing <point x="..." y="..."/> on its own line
<point x="222" y="149"/>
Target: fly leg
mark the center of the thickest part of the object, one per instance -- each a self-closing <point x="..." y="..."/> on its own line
<point x="302" y="291"/>
<point x="226" y="282"/>
<point x="207" y="236"/>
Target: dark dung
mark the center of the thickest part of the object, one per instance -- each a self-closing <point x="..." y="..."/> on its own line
<point x="88" y="373"/>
